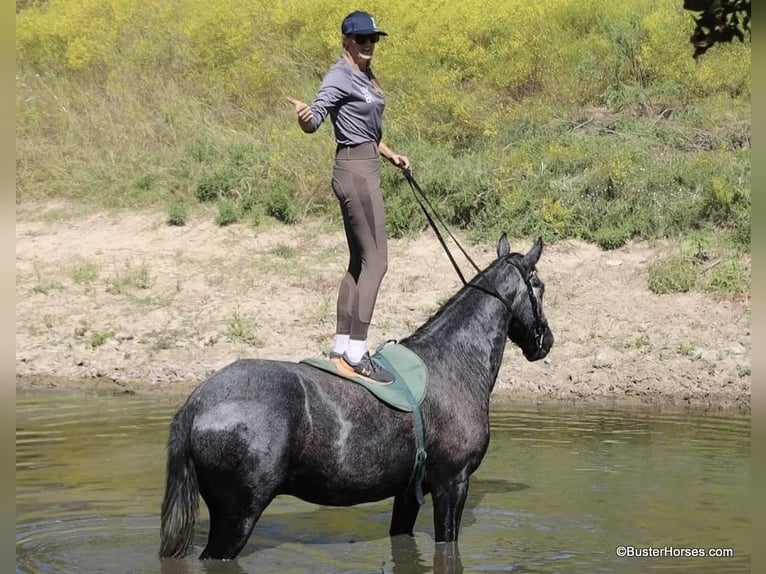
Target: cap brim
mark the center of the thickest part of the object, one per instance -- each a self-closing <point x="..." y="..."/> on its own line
<point x="369" y="32"/>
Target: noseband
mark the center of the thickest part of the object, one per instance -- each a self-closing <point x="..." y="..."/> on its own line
<point x="539" y="329"/>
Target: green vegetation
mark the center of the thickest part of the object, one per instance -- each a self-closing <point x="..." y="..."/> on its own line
<point x="178" y="213"/>
<point x="595" y="123"/>
<point x="98" y="338"/>
<point x="241" y="328"/>
<point x="86" y="273"/>
<point x="129" y="277"/>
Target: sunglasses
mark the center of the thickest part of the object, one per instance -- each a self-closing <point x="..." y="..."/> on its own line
<point x="364" y="38"/>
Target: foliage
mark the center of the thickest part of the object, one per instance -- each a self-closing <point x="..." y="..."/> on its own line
<point x="228" y="213"/>
<point x="177" y="214"/>
<point x="718" y="21"/>
<point x="280" y="206"/>
<point x="539" y="118"/>
<point x="673" y="274"/>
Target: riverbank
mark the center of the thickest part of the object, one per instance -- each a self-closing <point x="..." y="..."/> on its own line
<point x="122" y="302"/>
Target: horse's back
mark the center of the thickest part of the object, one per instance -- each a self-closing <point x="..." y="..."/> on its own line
<point x="248" y="379"/>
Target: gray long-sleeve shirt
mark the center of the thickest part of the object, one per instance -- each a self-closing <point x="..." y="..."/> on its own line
<point x="355" y="105"/>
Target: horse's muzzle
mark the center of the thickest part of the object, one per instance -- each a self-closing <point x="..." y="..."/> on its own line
<point x="540" y="348"/>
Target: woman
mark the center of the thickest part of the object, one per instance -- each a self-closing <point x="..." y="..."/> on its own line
<point x="352" y="97"/>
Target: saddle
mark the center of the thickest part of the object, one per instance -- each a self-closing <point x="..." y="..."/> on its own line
<point x="410" y="383"/>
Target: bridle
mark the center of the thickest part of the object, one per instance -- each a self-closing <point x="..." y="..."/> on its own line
<point x="539" y="329"/>
<point x="423" y="201"/>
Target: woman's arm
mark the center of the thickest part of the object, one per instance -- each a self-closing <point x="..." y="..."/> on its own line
<point x="400" y="161"/>
<point x="305" y="115"/>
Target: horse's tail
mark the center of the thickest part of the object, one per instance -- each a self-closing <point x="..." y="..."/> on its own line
<point x="181" y="503"/>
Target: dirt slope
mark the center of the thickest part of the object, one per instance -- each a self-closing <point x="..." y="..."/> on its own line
<point x="123" y="301"/>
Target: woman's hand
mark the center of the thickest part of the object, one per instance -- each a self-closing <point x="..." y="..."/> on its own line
<point x="304" y="113"/>
<point x="402" y="162"/>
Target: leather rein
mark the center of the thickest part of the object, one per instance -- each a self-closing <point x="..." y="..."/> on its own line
<point x="422" y="202"/>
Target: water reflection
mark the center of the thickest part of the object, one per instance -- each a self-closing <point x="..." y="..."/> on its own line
<point x="558" y="491"/>
<point x="177" y="566"/>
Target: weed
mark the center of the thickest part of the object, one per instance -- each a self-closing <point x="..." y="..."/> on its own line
<point x="216" y="185"/>
<point x="145" y="182"/>
<point x="85" y="273"/>
<point x="611" y="237"/>
<point x="642" y="341"/>
<point x="280" y="206"/>
<point x="130" y="277"/>
<point x="731" y="278"/>
<point x="673" y="274"/>
<point x="228" y="213"/>
<point x="44" y="285"/>
<point x="98" y="338"/>
<point x="285" y="251"/>
<point x="686" y="349"/>
<point x="241" y="328"/>
<point x="162" y="340"/>
<point x="177" y="214"/>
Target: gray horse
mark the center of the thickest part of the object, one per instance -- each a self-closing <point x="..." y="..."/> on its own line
<point x="258" y="428"/>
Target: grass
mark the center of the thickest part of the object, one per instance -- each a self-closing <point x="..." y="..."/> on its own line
<point x="85" y="273"/>
<point x="705" y="260"/>
<point x="129" y="277"/>
<point x="228" y="212"/>
<point x="163" y="339"/>
<point x="178" y="213"/>
<point x="285" y="251"/>
<point x="44" y="285"/>
<point x="242" y="329"/>
<point x="673" y="274"/>
<point x="98" y="338"/>
<point x="656" y="147"/>
<point x="324" y="313"/>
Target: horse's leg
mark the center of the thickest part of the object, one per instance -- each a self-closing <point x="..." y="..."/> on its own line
<point x="449" y="500"/>
<point x="236" y="491"/>
<point x="233" y="515"/>
<point x="447" y="558"/>
<point x="405" y="513"/>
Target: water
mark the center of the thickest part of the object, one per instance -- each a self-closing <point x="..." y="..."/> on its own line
<point x="559" y="490"/>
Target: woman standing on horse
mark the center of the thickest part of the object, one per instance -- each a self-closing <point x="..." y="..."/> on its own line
<point x="352" y="97"/>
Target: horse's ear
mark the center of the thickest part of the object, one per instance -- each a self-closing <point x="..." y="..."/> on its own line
<point x="503" y="247"/>
<point x="533" y="256"/>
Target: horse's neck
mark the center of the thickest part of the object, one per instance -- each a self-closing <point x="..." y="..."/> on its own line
<point x="466" y="338"/>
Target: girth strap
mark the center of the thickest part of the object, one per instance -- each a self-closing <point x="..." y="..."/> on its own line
<point x="415" y="484"/>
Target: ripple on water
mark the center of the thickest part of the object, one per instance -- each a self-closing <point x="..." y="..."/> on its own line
<point x="558" y="490"/>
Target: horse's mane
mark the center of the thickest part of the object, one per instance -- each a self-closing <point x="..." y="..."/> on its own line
<point x="457" y="296"/>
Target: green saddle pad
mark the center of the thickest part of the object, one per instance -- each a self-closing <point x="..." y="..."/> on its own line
<point x="411" y="376"/>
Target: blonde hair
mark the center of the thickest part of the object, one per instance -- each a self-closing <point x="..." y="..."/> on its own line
<point x="368" y="71"/>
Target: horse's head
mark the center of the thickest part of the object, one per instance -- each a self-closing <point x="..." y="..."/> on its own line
<point x="528" y="327"/>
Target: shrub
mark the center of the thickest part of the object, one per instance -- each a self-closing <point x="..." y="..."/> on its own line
<point x="280" y="206"/>
<point x="228" y="213"/>
<point x="673" y="274"/>
<point x="730" y="277"/>
<point x="612" y="237"/>
<point x="177" y="214"/>
<point x="403" y="216"/>
<point x="219" y="184"/>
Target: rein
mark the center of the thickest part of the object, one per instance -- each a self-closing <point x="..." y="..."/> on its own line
<point x="422" y="202"/>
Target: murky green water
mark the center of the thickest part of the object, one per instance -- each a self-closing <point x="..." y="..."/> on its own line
<point x="559" y="491"/>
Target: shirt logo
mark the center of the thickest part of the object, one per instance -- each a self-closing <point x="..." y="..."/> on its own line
<point x="367" y="95"/>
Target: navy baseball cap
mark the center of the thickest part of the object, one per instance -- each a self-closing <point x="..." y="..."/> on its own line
<point x="360" y="23"/>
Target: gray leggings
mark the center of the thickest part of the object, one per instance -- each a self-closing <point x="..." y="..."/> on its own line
<point x="356" y="183"/>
